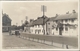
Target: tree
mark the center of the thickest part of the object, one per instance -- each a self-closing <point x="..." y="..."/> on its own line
<point x="26" y="21"/>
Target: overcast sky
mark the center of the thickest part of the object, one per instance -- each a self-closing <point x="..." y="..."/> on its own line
<point x="17" y="11"/>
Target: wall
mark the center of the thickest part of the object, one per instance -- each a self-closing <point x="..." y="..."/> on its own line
<point x="37" y="29"/>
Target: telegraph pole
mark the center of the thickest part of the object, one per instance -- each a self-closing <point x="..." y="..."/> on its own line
<point x="43" y="10"/>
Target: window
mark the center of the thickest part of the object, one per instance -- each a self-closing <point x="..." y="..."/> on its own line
<point x="72" y="20"/>
<point x="56" y="29"/>
<point x="66" y="28"/>
<point x="66" y="20"/>
<point x="62" y="21"/>
<point x="39" y="31"/>
<point x="32" y="26"/>
<point x="35" y="31"/>
<point x="56" y="21"/>
<point x="69" y="19"/>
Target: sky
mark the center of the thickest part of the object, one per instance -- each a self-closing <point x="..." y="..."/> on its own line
<point x="18" y="11"/>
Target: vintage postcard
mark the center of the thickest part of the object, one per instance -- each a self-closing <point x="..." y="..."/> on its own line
<point x="40" y="25"/>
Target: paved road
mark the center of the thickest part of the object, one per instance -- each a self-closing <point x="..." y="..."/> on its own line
<point x="12" y="42"/>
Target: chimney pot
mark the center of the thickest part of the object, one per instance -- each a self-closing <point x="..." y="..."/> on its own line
<point x="56" y="15"/>
<point x="74" y="11"/>
<point x="67" y="12"/>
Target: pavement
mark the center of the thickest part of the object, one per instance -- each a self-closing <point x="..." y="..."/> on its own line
<point x="14" y="42"/>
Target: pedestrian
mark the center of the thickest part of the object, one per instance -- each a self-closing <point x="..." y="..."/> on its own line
<point x="9" y="32"/>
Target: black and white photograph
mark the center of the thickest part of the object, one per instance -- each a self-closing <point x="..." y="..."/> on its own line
<point x="40" y="25"/>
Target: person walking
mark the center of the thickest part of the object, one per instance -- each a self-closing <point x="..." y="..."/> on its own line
<point x="10" y="32"/>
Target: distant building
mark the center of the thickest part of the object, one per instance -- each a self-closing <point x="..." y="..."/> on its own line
<point x="69" y="21"/>
<point x="6" y="23"/>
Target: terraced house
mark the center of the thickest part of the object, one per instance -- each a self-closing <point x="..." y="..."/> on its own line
<point x="69" y="23"/>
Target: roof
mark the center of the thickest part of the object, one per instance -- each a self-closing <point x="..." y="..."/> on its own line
<point x="5" y="16"/>
<point x="65" y="16"/>
<point x="30" y="24"/>
<point x="39" y="21"/>
<point x="52" y="18"/>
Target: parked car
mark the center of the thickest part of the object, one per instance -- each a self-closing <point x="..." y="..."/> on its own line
<point x="12" y="32"/>
<point x="15" y="32"/>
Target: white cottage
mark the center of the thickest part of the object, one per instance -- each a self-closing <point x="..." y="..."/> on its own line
<point x="36" y="26"/>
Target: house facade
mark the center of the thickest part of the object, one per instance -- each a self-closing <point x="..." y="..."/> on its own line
<point x="64" y="25"/>
<point x="6" y="23"/>
<point x="69" y="23"/>
<point x="36" y="26"/>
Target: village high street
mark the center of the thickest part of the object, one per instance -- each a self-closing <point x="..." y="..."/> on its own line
<point x="40" y="25"/>
<point x="12" y="42"/>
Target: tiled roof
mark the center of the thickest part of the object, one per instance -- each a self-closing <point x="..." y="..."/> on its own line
<point x="52" y="18"/>
<point x="67" y="16"/>
<point x="40" y="21"/>
<point x="30" y="24"/>
<point x="64" y="16"/>
<point x="6" y="16"/>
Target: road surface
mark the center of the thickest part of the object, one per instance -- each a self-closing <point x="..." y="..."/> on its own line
<point x="14" y="42"/>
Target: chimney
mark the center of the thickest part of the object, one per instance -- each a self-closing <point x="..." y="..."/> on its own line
<point x="74" y="11"/>
<point x="38" y="17"/>
<point x="67" y="12"/>
<point x="31" y="20"/>
<point x="56" y="15"/>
